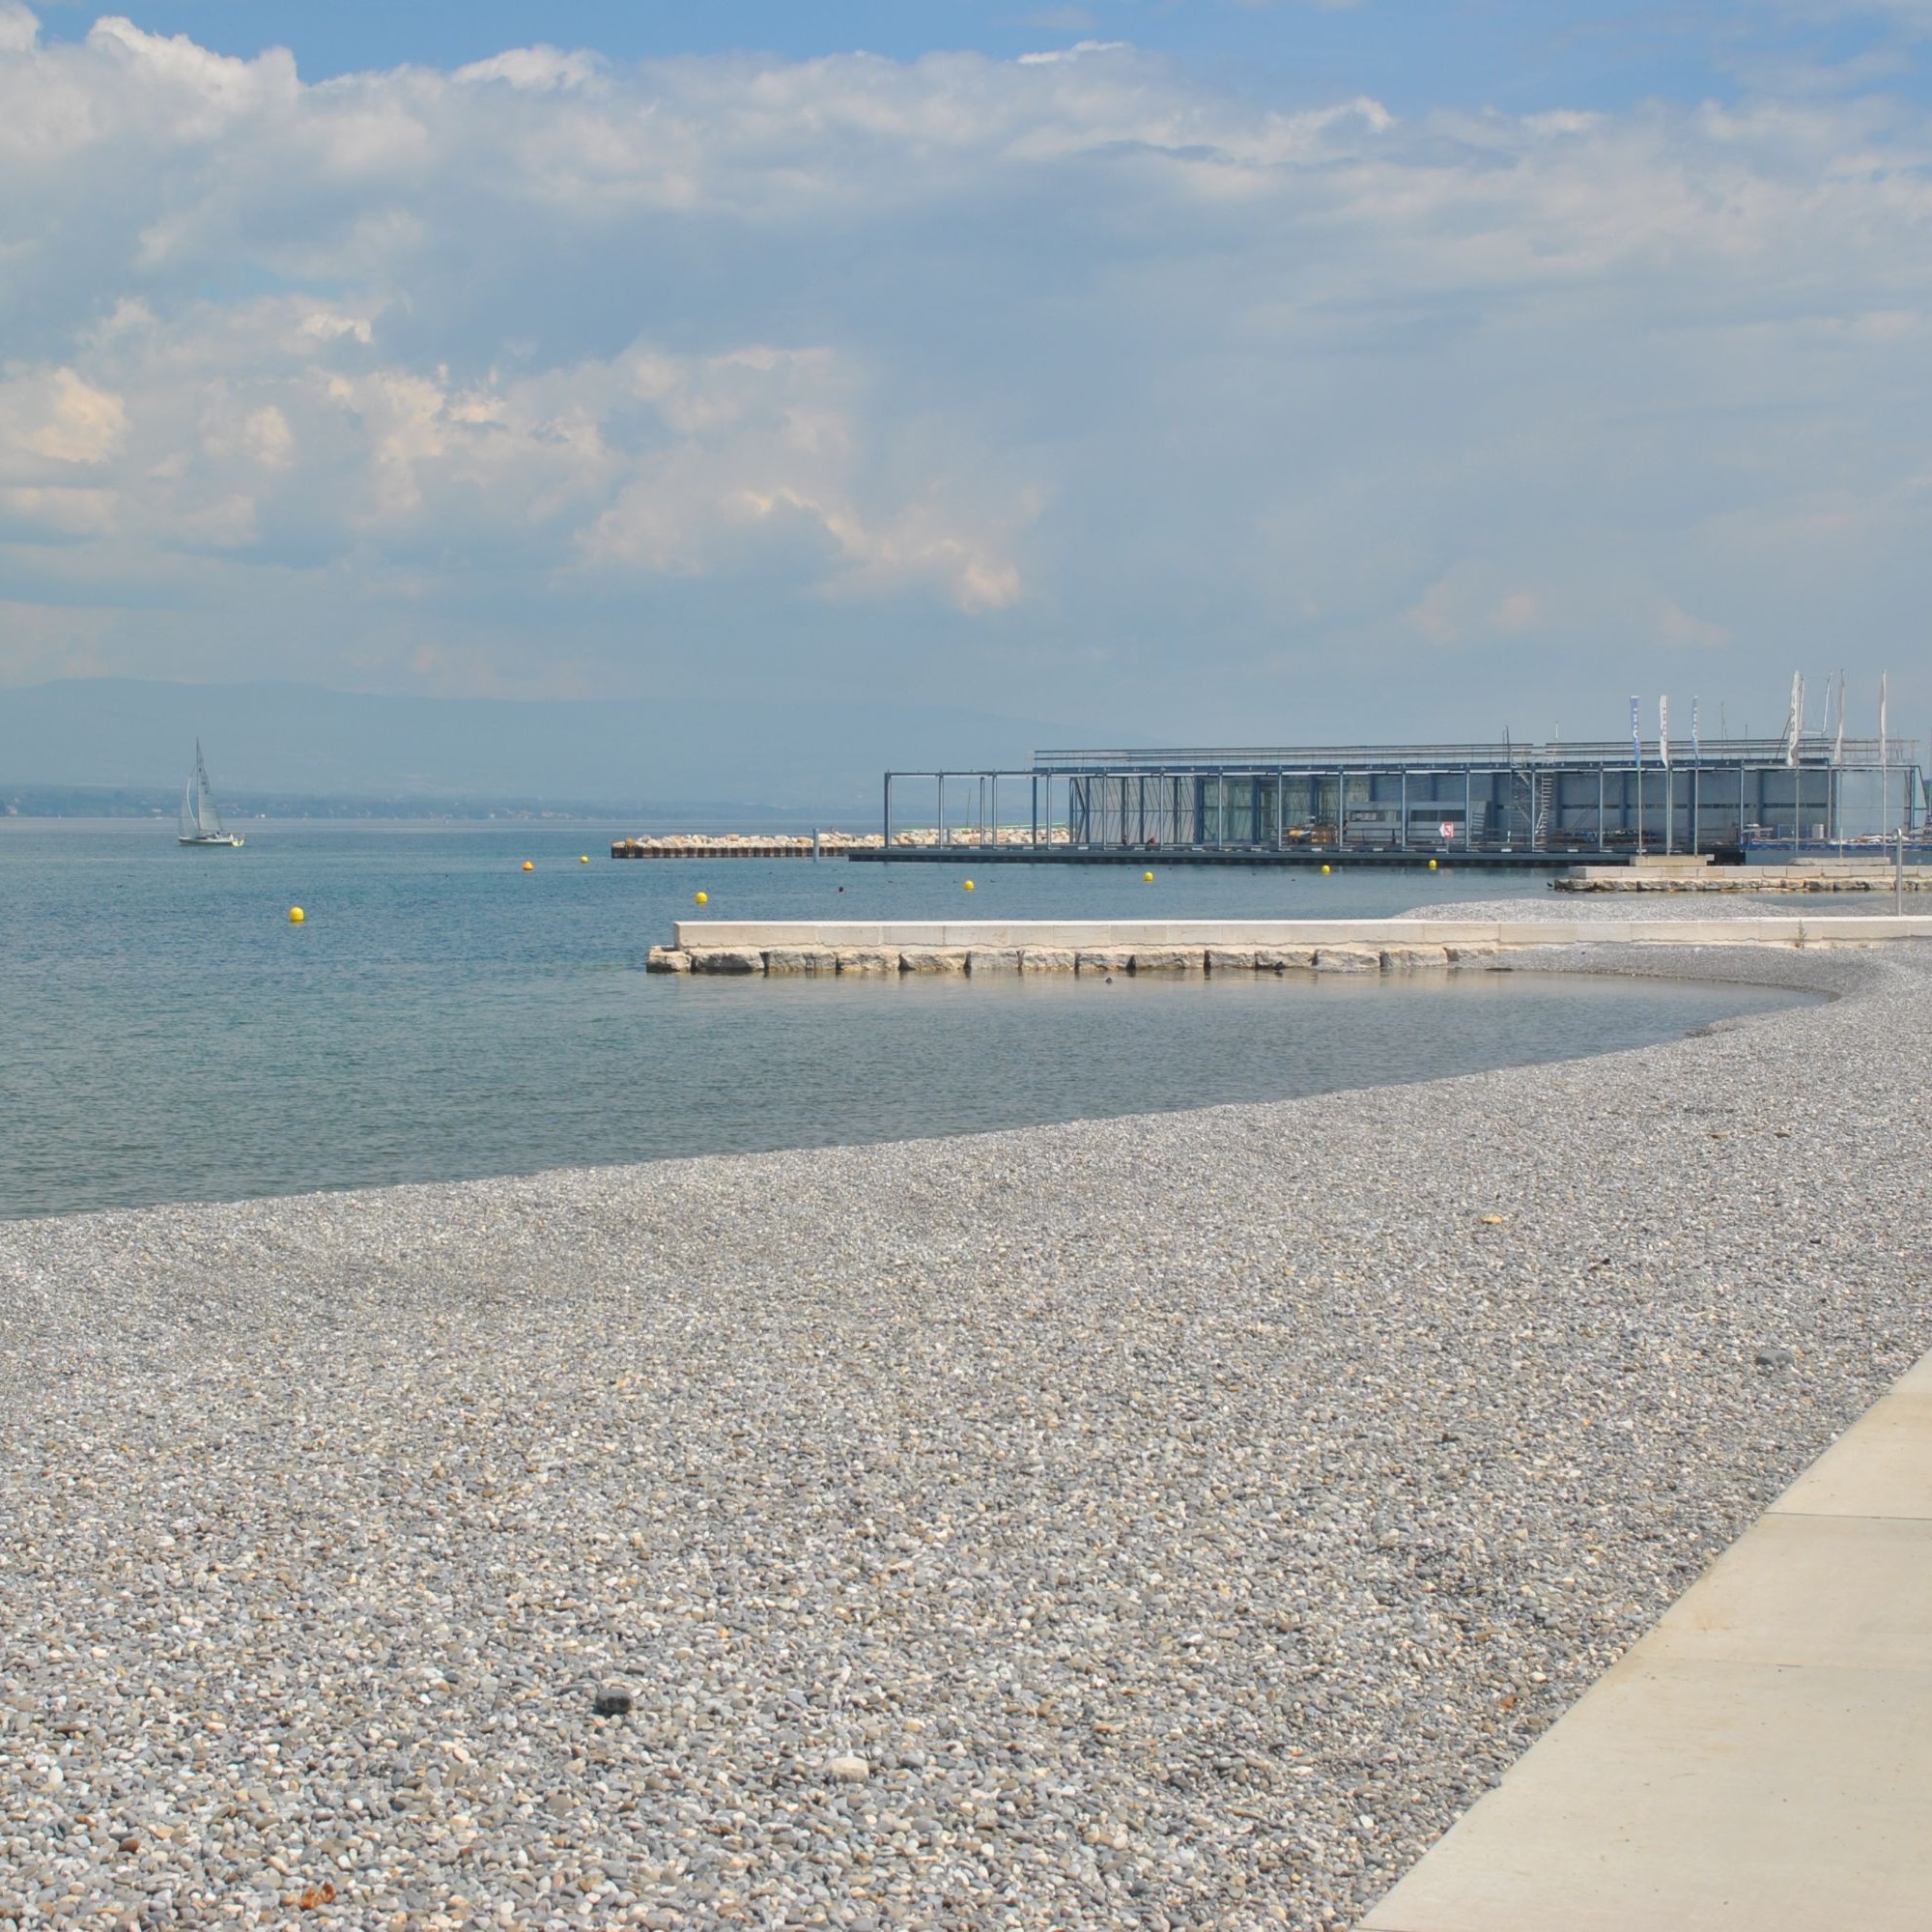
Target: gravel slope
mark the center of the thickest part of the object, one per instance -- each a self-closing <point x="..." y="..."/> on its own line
<point x="1162" y="1523"/>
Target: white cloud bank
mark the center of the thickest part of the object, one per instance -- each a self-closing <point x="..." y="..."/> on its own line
<point x="943" y="368"/>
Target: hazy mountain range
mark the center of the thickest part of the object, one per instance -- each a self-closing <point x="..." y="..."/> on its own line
<point x="286" y="741"/>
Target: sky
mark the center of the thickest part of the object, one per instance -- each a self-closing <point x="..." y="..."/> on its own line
<point x="1177" y="370"/>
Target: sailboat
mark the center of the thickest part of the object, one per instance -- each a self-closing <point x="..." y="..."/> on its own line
<point x="200" y="817"/>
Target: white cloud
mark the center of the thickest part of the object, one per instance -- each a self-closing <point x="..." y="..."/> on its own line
<point x="1053" y="56"/>
<point x="51" y="420"/>
<point x="56" y="511"/>
<point x="539" y="70"/>
<point x="1466" y="606"/>
<point x="1681" y="631"/>
<point x="19" y="29"/>
<point x="47" y="640"/>
<point x="1024" y="361"/>
<point x="1521" y="610"/>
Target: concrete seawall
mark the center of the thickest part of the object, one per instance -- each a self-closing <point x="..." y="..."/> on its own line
<point x="1758" y="881"/>
<point x="976" y="947"/>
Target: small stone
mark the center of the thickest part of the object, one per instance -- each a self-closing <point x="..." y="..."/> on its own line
<point x="1772" y="1358"/>
<point x="1170" y="959"/>
<point x="981" y="960"/>
<point x="1413" y="958"/>
<point x="130" y="1844"/>
<point x="783" y="961"/>
<point x="726" y="959"/>
<point x="611" y="1700"/>
<point x="1347" y="959"/>
<point x="849" y="1770"/>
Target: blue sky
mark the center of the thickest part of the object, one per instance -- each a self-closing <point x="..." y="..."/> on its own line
<point x="1201" y="370"/>
<point x="1414" y="56"/>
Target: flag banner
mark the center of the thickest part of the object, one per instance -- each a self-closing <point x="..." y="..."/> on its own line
<point x="1663" y="731"/>
<point x="1637" y="734"/>
<point x="1697" y="750"/>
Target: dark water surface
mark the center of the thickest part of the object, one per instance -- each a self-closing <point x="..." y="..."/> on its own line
<point x="165" y="1034"/>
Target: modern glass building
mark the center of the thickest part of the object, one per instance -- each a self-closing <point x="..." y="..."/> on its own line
<point x="1620" y="799"/>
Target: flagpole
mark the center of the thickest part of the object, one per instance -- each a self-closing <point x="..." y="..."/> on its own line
<point x="1636" y="753"/>
<point x="1697" y="779"/>
<point x="1670" y="783"/>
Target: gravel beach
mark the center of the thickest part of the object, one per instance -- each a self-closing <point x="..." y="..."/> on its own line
<point x="1160" y="1522"/>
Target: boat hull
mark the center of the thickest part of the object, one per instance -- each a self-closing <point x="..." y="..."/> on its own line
<point x="231" y="840"/>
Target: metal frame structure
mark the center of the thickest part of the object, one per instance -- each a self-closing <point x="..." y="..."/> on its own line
<point x="1612" y="798"/>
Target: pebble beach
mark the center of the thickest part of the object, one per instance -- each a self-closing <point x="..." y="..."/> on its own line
<point x="1168" y="1522"/>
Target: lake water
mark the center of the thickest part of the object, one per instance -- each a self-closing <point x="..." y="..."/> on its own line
<point x="165" y="1034"/>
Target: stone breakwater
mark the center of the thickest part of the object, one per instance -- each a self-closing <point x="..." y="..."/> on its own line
<point x="1450" y="938"/>
<point x="987" y="960"/>
<point x="1153" y="1523"/>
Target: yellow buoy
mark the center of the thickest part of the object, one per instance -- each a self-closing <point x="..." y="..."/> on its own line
<point x="1432" y="865"/>
<point x="583" y="857"/>
<point x="296" y="914"/>
<point x="530" y="864"/>
<point x="700" y="898"/>
<point x="1325" y="869"/>
<point x="1146" y="878"/>
<point x="969" y="885"/>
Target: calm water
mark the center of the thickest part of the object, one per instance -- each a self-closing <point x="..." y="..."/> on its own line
<point x="166" y="1035"/>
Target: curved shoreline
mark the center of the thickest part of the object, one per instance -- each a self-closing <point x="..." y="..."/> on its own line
<point x="1148" y="1502"/>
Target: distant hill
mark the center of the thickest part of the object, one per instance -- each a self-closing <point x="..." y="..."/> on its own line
<point x="300" y="742"/>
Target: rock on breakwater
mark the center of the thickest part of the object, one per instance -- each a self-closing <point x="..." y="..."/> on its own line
<point x="1163" y="1557"/>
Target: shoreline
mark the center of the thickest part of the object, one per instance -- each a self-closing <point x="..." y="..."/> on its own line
<point x="1481" y="977"/>
<point x="1138" y="1542"/>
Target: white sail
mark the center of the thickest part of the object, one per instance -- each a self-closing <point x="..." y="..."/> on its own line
<point x="200" y="817"/>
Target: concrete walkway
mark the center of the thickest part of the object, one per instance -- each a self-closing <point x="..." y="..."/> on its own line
<point x="1776" y="930"/>
<point x="1762" y="1761"/>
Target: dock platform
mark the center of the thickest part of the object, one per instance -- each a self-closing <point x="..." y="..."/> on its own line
<point x="1244" y="945"/>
